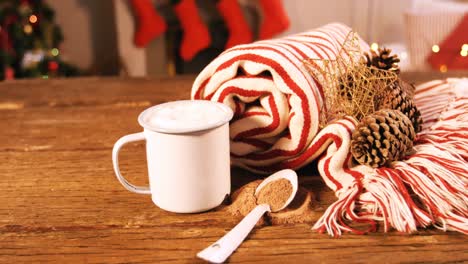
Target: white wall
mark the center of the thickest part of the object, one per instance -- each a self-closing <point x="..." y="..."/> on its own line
<point x="76" y="29"/>
<point x="89" y="31"/>
<point x="309" y="14"/>
<point x="375" y="20"/>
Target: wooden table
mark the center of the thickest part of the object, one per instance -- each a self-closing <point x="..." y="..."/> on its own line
<point x="60" y="201"/>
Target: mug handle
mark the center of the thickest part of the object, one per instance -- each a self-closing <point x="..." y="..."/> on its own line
<point x="115" y="160"/>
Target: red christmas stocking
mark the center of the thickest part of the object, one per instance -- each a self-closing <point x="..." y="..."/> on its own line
<point x="275" y="19"/>
<point x="150" y="23"/>
<point x="239" y="31"/>
<point x="196" y="35"/>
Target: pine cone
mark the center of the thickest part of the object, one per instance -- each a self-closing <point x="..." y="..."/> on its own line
<point x="346" y="84"/>
<point x="396" y="98"/>
<point x="408" y="88"/>
<point x="383" y="60"/>
<point x="382" y="137"/>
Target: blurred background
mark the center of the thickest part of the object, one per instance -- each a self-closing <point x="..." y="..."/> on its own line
<point x="61" y="38"/>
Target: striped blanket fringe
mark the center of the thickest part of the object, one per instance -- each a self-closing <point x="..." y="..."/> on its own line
<point x="277" y="107"/>
<point x="428" y="187"/>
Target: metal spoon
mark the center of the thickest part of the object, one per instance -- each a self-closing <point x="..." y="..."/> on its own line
<point x="219" y="251"/>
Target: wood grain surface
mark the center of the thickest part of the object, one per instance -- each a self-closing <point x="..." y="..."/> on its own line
<point x="60" y="201"/>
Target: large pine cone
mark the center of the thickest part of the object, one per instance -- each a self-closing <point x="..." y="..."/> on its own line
<point x="396" y="98"/>
<point x="382" y="137"/>
<point x="408" y="88"/>
<point x="382" y="59"/>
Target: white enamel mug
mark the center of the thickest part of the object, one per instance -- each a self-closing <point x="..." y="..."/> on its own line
<point x="187" y="149"/>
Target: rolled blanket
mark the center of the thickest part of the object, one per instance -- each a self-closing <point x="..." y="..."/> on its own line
<point x="277" y="106"/>
<point x="276" y="101"/>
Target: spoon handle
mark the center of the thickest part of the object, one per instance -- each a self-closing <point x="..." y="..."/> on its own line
<point x="219" y="251"/>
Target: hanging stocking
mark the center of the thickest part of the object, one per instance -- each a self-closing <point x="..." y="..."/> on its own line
<point x="9" y="73"/>
<point x="196" y="36"/>
<point x="150" y="23"/>
<point x="239" y="31"/>
<point x="275" y="19"/>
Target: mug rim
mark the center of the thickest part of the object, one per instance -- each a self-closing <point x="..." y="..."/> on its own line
<point x="225" y="119"/>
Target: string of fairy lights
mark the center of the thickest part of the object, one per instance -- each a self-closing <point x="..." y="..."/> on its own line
<point x="435" y="49"/>
<point x="463" y="52"/>
<point x="28" y="29"/>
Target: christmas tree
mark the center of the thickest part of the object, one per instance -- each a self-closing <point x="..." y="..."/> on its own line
<point x="30" y="41"/>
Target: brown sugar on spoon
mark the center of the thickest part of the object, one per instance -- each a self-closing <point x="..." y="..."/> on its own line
<point x="275" y="194"/>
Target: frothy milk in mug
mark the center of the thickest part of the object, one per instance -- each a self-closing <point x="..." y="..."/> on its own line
<point x="187" y="151"/>
<point x="185" y="116"/>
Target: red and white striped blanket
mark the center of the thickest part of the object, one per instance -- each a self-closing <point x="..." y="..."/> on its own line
<point x="277" y="106"/>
